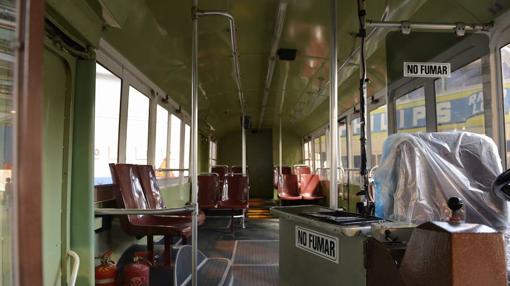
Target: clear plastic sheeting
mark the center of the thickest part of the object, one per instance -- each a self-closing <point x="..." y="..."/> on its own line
<point x="419" y="172"/>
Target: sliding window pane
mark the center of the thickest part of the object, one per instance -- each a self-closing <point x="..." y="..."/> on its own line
<point x="459" y="100"/>
<point x="505" y="66"/>
<point x="355" y="143"/>
<point x="160" y="155"/>
<point x="410" y="112"/>
<point x="187" y="133"/>
<point x="324" y="151"/>
<point x="342" y="131"/>
<point x="378" y="132"/>
<point x="317" y="152"/>
<point x="137" y="127"/>
<point x="175" y="143"/>
<point x="106" y="134"/>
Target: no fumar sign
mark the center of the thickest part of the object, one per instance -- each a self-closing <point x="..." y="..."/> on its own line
<point x="414" y="69"/>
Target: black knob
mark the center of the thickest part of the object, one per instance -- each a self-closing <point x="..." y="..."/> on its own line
<point x="455" y="203"/>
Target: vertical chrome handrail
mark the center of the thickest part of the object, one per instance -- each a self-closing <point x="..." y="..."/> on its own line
<point x="194" y="144"/>
<point x="76" y="266"/>
<point x="333" y="108"/>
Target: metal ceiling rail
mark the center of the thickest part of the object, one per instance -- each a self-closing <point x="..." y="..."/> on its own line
<point x="406" y="26"/>
<point x="235" y="53"/>
<point x="278" y="29"/>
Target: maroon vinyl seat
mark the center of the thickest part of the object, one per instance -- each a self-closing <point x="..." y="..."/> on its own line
<point x="300" y="170"/>
<point x="222" y="171"/>
<point x="152" y="193"/>
<point x="309" y="189"/>
<point x="208" y="190"/>
<point x="276" y="174"/>
<point x="237" y="196"/>
<point x="129" y="194"/>
<point x="288" y="188"/>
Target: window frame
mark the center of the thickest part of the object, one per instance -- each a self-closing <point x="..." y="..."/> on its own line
<point x="113" y="61"/>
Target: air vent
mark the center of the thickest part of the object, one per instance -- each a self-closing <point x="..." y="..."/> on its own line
<point x="287" y="54"/>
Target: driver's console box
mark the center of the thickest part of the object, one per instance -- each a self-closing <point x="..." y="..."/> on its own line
<point x="439" y="253"/>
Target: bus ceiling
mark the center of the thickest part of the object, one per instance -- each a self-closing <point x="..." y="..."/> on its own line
<point x="155" y="37"/>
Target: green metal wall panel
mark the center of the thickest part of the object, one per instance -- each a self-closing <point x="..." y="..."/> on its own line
<point x="82" y="212"/>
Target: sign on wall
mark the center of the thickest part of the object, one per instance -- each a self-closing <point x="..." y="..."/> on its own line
<point x="320" y="244"/>
<point x="414" y="69"/>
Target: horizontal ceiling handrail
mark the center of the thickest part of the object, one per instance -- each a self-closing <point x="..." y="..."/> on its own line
<point x="235" y="53"/>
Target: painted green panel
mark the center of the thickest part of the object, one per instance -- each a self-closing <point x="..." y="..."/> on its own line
<point x="82" y="212"/>
<point x="56" y="80"/>
<point x="259" y="158"/>
<point x="291" y="148"/>
<point x="81" y="19"/>
<point x="203" y="154"/>
<point x="176" y="196"/>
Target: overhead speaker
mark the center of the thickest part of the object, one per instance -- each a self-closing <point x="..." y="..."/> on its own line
<point x="287" y="54"/>
<point x="247" y="122"/>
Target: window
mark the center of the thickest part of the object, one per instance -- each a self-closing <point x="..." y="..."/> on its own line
<point x="317" y="152"/>
<point x="160" y="156"/>
<point x="107" y="110"/>
<point x="505" y="66"/>
<point x="378" y="132"/>
<point x="342" y="131"/>
<point x="324" y="152"/>
<point x="355" y="143"/>
<point x="175" y="143"/>
<point x="187" y="133"/>
<point x="307" y="153"/>
<point x="213" y="153"/>
<point x="410" y="112"/>
<point x="137" y="127"/>
<point x="459" y="100"/>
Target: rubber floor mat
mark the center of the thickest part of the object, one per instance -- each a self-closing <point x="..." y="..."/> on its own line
<point x="262" y="275"/>
<point x="256" y="252"/>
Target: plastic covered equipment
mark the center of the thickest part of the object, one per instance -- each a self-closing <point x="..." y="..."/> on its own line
<point x="420" y="172"/>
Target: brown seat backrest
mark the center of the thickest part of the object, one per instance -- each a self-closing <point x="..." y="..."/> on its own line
<point x="310" y="186"/>
<point x="238" y="188"/>
<point x="221" y="170"/>
<point x="300" y="170"/>
<point x="288" y="185"/>
<point x="130" y="193"/>
<point x="208" y="190"/>
<point x="238" y="170"/>
<point x="276" y="174"/>
<point x="150" y="186"/>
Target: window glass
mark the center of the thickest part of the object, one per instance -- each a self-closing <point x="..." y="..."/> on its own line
<point x="160" y="156"/>
<point x="8" y="62"/>
<point x="355" y="143"/>
<point x="137" y="127"/>
<point x="307" y="153"/>
<point x="324" y="152"/>
<point x="187" y="143"/>
<point x="505" y="66"/>
<point x="175" y="143"/>
<point x="410" y="112"/>
<point x="106" y="134"/>
<point x="459" y="100"/>
<point x="317" y="152"/>
<point x="378" y="132"/>
<point x="212" y="153"/>
<point x="342" y="131"/>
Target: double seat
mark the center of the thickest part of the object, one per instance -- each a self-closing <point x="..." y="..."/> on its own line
<point x="298" y="187"/>
<point x="136" y="187"/>
<point x="223" y="189"/>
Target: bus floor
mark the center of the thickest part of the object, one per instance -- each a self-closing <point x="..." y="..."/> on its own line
<point x="252" y="250"/>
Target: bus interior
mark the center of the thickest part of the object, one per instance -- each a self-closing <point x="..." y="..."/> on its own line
<point x="269" y="142"/>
